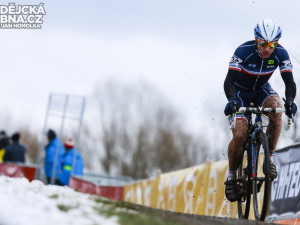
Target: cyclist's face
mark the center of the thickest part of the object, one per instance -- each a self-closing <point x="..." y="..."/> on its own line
<point x="265" y="52"/>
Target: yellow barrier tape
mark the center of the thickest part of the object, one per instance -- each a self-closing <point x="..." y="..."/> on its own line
<point x="196" y="190"/>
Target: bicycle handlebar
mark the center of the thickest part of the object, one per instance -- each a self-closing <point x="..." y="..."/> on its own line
<point x="261" y="109"/>
<point x="257" y="110"/>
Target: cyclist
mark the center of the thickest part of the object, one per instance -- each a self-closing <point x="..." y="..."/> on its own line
<point x="250" y="68"/>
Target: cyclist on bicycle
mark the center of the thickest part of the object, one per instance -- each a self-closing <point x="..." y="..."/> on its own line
<point x="250" y="68"/>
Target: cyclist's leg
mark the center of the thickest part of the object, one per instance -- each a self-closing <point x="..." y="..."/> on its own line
<point x="275" y="121"/>
<point x="269" y="98"/>
<point x="235" y="151"/>
<point x="235" y="147"/>
<point x="239" y="133"/>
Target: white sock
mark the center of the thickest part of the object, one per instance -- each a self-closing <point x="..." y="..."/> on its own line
<point x="271" y="154"/>
<point x="231" y="175"/>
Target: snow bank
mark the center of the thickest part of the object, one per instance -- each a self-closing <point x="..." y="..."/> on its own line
<point x="34" y="203"/>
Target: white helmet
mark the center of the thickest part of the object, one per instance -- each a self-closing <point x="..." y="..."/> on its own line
<point x="267" y="30"/>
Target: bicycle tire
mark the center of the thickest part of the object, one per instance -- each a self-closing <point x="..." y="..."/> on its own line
<point x="244" y="174"/>
<point x="261" y="182"/>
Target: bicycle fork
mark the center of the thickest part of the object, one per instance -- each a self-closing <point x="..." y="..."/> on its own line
<point x="258" y="183"/>
<point x="258" y="127"/>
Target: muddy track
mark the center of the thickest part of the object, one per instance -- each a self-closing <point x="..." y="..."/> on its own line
<point x="204" y="220"/>
<point x="192" y="219"/>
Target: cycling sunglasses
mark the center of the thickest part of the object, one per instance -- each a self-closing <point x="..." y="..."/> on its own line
<point x="272" y="44"/>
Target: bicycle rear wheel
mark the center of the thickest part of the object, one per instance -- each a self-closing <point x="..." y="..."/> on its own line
<point x="244" y="174"/>
<point x="261" y="182"/>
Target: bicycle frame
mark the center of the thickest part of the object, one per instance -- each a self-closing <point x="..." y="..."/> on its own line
<point x="257" y="128"/>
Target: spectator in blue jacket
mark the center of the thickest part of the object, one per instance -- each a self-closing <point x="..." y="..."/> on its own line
<point x="67" y="162"/>
<point x="54" y="145"/>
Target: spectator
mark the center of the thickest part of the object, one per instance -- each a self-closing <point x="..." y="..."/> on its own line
<point x="54" y="145"/>
<point x="4" y="141"/>
<point x="67" y="162"/>
<point x="14" y="152"/>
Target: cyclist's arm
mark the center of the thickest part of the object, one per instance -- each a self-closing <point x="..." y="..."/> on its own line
<point x="290" y="85"/>
<point x="229" y="83"/>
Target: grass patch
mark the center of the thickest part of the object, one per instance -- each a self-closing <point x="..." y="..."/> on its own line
<point x="116" y="204"/>
<point x="127" y="216"/>
<point x="55" y="196"/>
<point x="63" y="207"/>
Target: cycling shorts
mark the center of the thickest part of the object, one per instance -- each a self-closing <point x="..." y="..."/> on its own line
<point x="257" y="97"/>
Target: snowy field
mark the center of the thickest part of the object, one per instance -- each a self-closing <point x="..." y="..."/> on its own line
<point x="25" y="203"/>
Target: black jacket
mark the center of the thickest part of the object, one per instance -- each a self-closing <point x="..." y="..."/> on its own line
<point x="4" y="142"/>
<point x="14" y="153"/>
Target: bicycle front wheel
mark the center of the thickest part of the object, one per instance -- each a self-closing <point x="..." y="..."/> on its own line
<point x="243" y="175"/>
<point x="261" y="180"/>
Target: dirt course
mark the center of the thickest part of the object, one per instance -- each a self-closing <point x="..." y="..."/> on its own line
<point x="192" y="219"/>
<point x="207" y="220"/>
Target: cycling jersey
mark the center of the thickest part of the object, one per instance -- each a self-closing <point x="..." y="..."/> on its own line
<point x="255" y="71"/>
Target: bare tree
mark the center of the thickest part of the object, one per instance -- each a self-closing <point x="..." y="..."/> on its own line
<point x="30" y="140"/>
<point x="140" y="132"/>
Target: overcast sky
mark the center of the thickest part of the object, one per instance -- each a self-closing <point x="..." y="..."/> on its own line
<point x="180" y="47"/>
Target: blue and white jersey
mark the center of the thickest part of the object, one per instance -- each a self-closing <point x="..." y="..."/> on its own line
<point x="255" y="71"/>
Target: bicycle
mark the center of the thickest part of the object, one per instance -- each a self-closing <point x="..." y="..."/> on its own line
<point x="253" y="169"/>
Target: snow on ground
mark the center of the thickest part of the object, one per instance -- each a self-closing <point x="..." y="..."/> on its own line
<point x="25" y="203"/>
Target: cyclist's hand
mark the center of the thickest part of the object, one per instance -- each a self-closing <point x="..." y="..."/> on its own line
<point x="290" y="107"/>
<point x="231" y="107"/>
